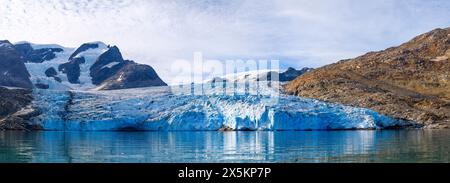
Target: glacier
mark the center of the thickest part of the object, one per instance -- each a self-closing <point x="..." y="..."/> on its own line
<point x="37" y="70"/>
<point x="164" y="109"/>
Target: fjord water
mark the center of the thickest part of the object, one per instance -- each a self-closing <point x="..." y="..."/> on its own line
<point x="213" y="146"/>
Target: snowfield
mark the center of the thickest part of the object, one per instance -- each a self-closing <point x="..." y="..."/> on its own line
<point x="160" y="108"/>
<point x="37" y="70"/>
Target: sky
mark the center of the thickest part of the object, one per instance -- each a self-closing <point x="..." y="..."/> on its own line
<point x="298" y="33"/>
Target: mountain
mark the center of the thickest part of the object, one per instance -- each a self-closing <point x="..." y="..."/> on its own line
<point x="132" y="75"/>
<point x="13" y="72"/>
<point x="410" y="81"/>
<point x="90" y="66"/>
<point x="36" y="55"/>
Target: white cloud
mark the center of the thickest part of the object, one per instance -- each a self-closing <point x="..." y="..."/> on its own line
<point x="298" y="32"/>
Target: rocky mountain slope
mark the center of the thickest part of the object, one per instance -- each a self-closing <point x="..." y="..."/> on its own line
<point x="13" y="72"/>
<point x="162" y="109"/>
<point x="411" y="81"/>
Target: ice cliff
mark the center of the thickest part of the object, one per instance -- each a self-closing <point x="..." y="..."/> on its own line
<point x="159" y="108"/>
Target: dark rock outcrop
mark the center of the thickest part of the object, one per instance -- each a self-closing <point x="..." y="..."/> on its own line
<point x="58" y="79"/>
<point x="13" y="72"/>
<point x="83" y="48"/>
<point x="36" y="55"/>
<point x="106" y="65"/>
<point x="133" y="75"/>
<point x="24" y="48"/>
<point x="72" y="69"/>
<point x="411" y="81"/>
<point x="218" y="80"/>
<point x="15" y="108"/>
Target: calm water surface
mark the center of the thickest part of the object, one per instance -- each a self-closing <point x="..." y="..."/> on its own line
<point x="180" y="147"/>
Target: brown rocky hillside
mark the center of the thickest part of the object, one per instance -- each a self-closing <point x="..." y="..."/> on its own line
<point x="411" y="81"/>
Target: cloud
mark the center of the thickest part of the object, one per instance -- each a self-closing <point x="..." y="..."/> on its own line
<point x="297" y="32"/>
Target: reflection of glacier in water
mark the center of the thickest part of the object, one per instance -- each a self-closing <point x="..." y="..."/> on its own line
<point x="240" y="146"/>
<point x="158" y="108"/>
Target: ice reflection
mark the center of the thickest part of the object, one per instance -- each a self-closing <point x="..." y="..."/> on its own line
<point x="259" y="146"/>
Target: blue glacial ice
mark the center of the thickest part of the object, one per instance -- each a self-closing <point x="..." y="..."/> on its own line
<point x="159" y="108"/>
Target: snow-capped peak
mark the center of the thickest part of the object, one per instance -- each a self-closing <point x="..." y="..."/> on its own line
<point x="90" y="56"/>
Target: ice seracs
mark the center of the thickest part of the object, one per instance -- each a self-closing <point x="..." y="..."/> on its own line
<point x="159" y="108"/>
